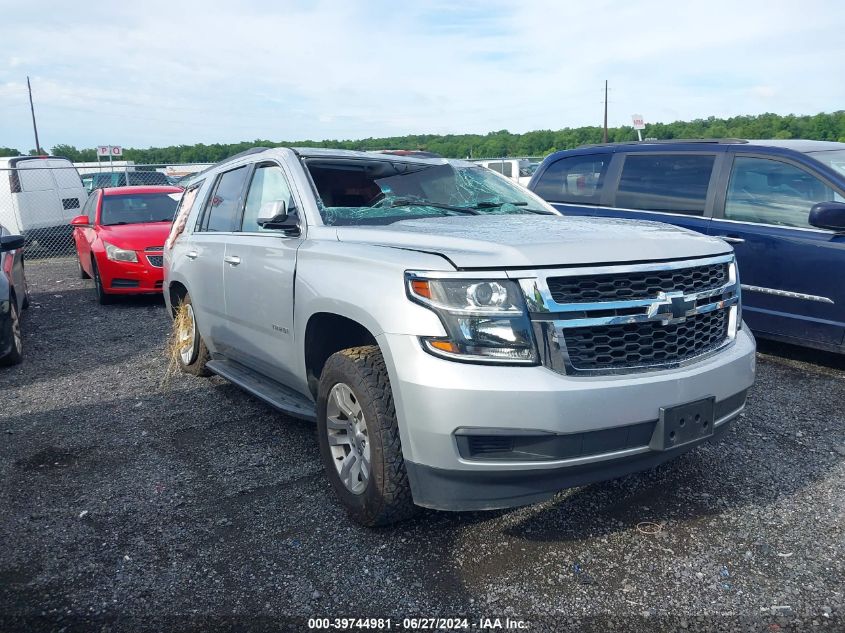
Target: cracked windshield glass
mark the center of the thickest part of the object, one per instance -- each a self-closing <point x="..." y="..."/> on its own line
<point x="356" y="192"/>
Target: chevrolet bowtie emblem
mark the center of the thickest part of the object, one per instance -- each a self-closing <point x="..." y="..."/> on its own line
<point x="671" y="307"/>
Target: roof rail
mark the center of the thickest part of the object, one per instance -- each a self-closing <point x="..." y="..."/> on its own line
<point x="246" y="152"/>
<point x="669" y="141"/>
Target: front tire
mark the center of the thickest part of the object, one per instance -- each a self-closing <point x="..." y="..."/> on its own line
<point x="192" y="353"/>
<point x="13" y="333"/>
<point x="359" y="438"/>
<point x="102" y="296"/>
<point x="81" y="270"/>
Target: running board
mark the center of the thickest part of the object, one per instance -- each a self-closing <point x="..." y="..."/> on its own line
<point x="273" y="393"/>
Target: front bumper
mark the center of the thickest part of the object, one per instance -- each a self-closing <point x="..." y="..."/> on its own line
<point x="129" y="278"/>
<point x="434" y="398"/>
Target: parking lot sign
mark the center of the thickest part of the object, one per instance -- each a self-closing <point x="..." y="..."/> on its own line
<point x="639" y="124"/>
<point x="112" y="151"/>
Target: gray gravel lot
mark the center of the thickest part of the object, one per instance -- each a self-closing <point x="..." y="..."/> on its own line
<point x="126" y="504"/>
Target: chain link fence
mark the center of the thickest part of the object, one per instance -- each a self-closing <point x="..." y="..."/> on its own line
<point x="39" y="196"/>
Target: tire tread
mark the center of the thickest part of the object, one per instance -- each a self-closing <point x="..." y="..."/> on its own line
<point x="395" y="501"/>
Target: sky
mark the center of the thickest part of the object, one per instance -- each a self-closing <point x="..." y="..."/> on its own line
<point x="151" y="73"/>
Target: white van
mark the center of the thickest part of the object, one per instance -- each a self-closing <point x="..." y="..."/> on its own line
<point x="517" y="169"/>
<point x="39" y="195"/>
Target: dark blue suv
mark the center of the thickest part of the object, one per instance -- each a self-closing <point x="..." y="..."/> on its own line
<point x="781" y="204"/>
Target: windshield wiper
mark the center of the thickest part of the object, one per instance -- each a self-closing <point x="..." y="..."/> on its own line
<point x="410" y="202"/>
<point x="523" y="205"/>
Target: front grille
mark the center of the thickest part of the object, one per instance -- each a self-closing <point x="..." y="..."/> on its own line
<point x="626" y="286"/>
<point x="156" y="260"/>
<point x="154" y="249"/>
<point x="613" y="347"/>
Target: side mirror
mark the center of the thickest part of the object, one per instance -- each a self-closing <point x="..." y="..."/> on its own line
<point x="80" y="220"/>
<point x="276" y="215"/>
<point x="828" y="215"/>
<point x="11" y="242"/>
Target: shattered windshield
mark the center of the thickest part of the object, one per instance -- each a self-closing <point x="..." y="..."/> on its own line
<point x="368" y="192"/>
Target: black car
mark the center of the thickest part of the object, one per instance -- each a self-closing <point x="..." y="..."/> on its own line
<point x="13" y="297"/>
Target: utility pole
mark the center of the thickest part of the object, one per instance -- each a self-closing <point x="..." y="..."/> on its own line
<point x="605" y="110"/>
<point x="32" y="109"/>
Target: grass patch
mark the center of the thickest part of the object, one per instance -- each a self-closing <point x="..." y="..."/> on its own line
<point x="179" y="337"/>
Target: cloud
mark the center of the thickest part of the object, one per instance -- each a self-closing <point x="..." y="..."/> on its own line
<point x="159" y="73"/>
<point x="765" y="92"/>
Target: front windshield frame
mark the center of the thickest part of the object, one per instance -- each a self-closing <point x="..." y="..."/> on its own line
<point x="831" y="158"/>
<point x="111" y="217"/>
<point x="477" y="191"/>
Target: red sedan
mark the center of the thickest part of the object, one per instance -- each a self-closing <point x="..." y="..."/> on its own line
<point x="120" y="238"/>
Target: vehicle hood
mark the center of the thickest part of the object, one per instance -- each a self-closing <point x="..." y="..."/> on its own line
<point x="503" y="241"/>
<point x="135" y="237"/>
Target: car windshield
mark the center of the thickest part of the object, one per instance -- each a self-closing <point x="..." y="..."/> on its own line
<point x="138" y="207"/>
<point x="832" y="158"/>
<point x="367" y="192"/>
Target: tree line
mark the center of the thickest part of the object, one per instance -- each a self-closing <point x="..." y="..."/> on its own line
<point x="823" y="127"/>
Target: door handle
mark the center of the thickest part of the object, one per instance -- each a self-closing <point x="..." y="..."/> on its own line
<point x="732" y="240"/>
<point x="232" y="259"/>
<point x="191" y="254"/>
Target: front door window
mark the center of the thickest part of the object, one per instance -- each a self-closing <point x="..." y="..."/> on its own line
<point x="768" y="191"/>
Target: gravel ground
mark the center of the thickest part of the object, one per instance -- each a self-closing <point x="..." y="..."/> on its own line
<point x="127" y="504"/>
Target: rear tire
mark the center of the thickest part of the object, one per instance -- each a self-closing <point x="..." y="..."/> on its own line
<point x="193" y="355"/>
<point x="13" y="333"/>
<point x="102" y="296"/>
<point x="359" y="438"/>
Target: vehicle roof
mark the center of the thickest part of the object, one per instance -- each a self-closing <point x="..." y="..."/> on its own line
<point x="800" y="145"/>
<point x="326" y="152"/>
<point x="797" y="145"/>
<point x="12" y="160"/>
<point x="122" y="191"/>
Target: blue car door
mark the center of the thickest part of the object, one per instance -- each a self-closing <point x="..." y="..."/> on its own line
<point x="667" y="186"/>
<point x="791" y="272"/>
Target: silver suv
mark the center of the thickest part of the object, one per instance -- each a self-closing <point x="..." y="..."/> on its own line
<point x="459" y="344"/>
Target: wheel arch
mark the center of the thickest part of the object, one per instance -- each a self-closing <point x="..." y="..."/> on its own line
<point x="326" y="333"/>
<point x="176" y="291"/>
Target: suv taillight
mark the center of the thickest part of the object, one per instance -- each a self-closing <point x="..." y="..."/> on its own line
<point x="14" y="181"/>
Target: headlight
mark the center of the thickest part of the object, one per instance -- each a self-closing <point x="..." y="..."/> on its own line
<point x="119" y="254"/>
<point x="485" y="319"/>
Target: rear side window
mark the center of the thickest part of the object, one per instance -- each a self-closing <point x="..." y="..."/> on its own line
<point x="225" y="201"/>
<point x="186" y="204"/>
<point x="577" y="179"/>
<point x="676" y="183"/>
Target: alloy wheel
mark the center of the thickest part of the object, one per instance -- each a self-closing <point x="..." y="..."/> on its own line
<point x="348" y="439"/>
<point x="17" y="337"/>
<point x="187" y="336"/>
